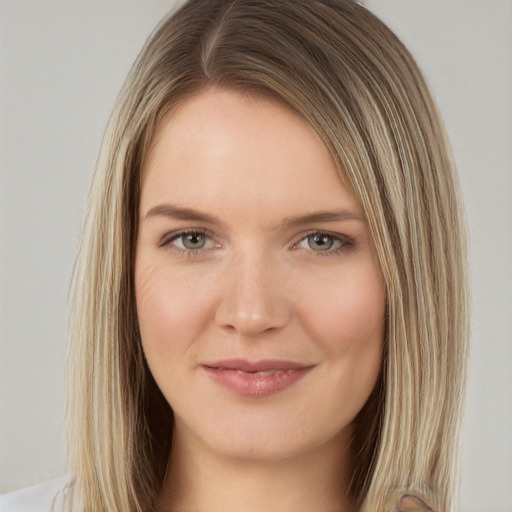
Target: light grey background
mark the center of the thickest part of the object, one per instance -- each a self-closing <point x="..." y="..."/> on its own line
<point x="62" y="63"/>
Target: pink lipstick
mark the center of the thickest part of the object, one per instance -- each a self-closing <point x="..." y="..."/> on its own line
<point x="255" y="379"/>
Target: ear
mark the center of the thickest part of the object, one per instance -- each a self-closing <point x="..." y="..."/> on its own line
<point x="411" y="503"/>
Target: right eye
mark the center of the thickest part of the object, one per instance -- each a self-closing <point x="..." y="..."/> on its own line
<point x="191" y="241"/>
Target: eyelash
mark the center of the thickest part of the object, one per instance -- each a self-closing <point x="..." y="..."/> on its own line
<point x="167" y="240"/>
<point x="345" y="242"/>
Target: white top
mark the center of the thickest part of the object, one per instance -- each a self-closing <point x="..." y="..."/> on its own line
<point x="44" y="497"/>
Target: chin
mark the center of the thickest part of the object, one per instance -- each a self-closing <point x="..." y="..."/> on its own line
<point x="265" y="437"/>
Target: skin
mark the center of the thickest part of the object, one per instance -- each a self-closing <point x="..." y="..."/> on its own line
<point x="259" y="287"/>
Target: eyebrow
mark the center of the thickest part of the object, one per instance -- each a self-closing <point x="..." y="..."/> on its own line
<point x="178" y="212"/>
<point x="191" y="214"/>
<point x="325" y="216"/>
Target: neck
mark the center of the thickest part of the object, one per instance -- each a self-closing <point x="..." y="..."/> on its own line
<point x="199" y="480"/>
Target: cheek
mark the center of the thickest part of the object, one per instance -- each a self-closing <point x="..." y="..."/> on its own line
<point x="348" y="322"/>
<point x="351" y="315"/>
<point x="167" y="309"/>
<point x="157" y="308"/>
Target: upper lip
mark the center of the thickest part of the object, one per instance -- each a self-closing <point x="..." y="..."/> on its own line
<point x="256" y="366"/>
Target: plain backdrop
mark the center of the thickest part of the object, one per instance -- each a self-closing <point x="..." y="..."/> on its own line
<point x="62" y="63"/>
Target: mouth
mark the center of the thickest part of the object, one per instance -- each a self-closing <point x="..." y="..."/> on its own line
<point x="255" y="379"/>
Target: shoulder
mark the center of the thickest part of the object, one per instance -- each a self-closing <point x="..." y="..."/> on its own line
<point x="43" y="497"/>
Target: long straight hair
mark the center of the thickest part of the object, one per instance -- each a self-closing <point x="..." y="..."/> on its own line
<point x="356" y="85"/>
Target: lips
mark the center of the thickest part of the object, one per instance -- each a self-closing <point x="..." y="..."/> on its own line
<point x="255" y="379"/>
<point x="256" y="367"/>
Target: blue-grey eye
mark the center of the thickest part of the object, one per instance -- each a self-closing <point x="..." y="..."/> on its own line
<point x="321" y="242"/>
<point x="191" y="241"/>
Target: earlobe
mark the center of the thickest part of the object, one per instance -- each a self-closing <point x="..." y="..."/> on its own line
<point x="411" y="503"/>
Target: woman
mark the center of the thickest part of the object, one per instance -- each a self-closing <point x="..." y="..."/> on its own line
<point x="269" y="303"/>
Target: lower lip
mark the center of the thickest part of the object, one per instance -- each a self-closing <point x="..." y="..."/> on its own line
<point x="255" y="384"/>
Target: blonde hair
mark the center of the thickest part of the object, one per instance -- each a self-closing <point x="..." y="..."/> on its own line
<point x="353" y="81"/>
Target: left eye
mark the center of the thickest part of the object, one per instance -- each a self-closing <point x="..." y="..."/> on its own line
<point x="322" y="242"/>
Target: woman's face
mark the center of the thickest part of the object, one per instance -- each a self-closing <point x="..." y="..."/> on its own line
<point x="260" y="302"/>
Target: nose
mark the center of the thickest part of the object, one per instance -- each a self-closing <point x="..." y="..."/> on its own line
<point x="253" y="297"/>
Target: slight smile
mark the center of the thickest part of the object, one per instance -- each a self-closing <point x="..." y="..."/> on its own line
<point x="255" y="379"/>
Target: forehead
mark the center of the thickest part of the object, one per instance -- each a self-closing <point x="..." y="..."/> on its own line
<point x="240" y="148"/>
